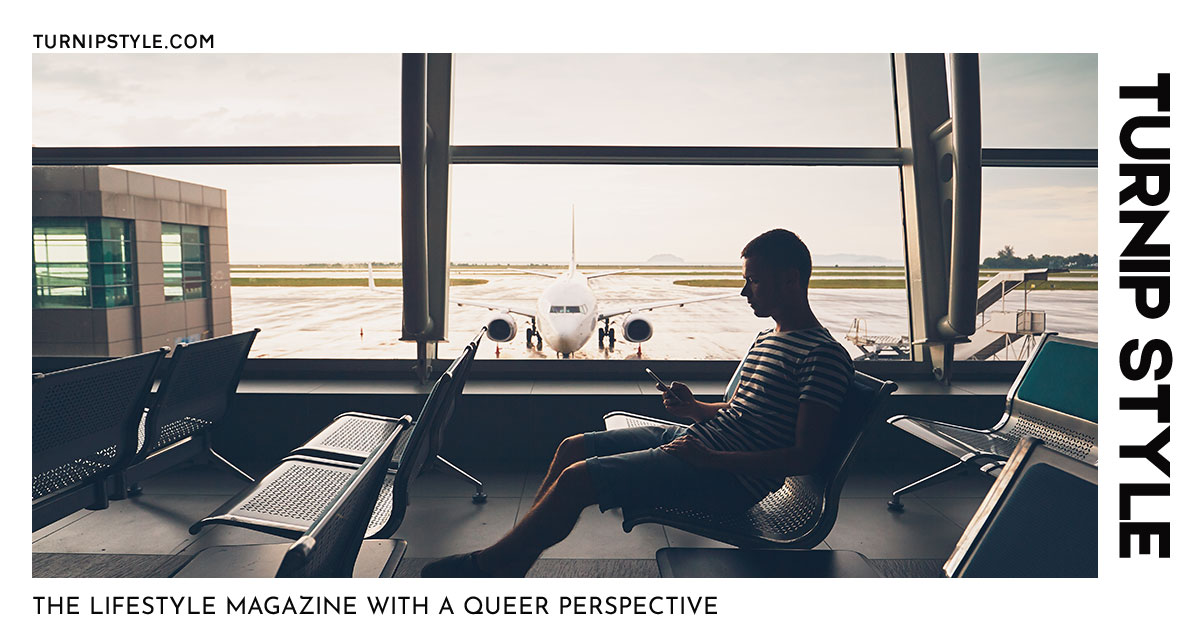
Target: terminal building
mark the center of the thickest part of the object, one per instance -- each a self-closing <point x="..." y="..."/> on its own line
<point x="125" y="262"/>
<point x="200" y="445"/>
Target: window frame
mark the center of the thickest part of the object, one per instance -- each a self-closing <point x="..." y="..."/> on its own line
<point x="884" y="157"/>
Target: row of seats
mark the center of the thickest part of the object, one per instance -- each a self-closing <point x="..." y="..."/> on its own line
<point x="95" y="438"/>
<point x="317" y="482"/>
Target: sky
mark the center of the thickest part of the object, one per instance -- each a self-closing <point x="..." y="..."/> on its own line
<point x="510" y="213"/>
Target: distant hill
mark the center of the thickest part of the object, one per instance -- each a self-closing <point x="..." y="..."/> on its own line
<point x="855" y="260"/>
<point x="665" y="259"/>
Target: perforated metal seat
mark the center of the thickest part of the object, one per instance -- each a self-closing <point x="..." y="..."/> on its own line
<point x="287" y="501"/>
<point x="337" y="515"/>
<point x="84" y="425"/>
<point x="1053" y="399"/>
<point x="193" y="396"/>
<point x="801" y="513"/>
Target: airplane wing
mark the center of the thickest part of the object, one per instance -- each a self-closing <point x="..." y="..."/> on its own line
<point x="535" y="273"/>
<point x="609" y="273"/>
<point x="496" y="307"/>
<point x="653" y="305"/>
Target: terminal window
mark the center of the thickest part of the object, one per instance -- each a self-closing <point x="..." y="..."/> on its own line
<point x="82" y="263"/>
<point x="185" y="263"/>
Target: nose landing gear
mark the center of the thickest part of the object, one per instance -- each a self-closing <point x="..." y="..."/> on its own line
<point x="607" y="331"/>
<point x="531" y="333"/>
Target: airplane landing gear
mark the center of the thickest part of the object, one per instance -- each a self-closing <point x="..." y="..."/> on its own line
<point x="531" y="333"/>
<point x="611" y="333"/>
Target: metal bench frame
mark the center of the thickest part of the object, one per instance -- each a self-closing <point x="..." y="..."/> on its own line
<point x="84" y="426"/>
<point x="1069" y="434"/>
<point x="330" y="545"/>
<point x="195" y="392"/>
<point x="350" y="436"/>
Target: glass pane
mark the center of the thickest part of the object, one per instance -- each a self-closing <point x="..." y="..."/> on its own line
<point x="112" y="274"/>
<point x="299" y="239"/>
<point x="674" y="99"/>
<point x="1038" y="100"/>
<point x="110" y="251"/>
<point x="190" y="233"/>
<point x="194" y="290"/>
<point x="112" y="297"/>
<point x="678" y="231"/>
<point x="55" y="242"/>
<point x="193" y="272"/>
<point x="215" y="99"/>
<point x="193" y="252"/>
<point x="1038" y="218"/>
<point x="172" y="247"/>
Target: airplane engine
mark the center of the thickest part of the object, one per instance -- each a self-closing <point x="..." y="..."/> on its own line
<point x="502" y="328"/>
<point x="636" y="329"/>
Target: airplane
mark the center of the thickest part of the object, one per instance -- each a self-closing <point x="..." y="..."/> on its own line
<point x="566" y="314"/>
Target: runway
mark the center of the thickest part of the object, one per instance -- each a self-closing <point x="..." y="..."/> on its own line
<point x="353" y="322"/>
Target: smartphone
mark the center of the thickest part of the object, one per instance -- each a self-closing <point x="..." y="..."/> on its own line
<point x="664" y="385"/>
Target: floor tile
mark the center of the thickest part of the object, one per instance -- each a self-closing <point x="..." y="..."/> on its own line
<point x="145" y="524"/>
<point x="959" y="510"/>
<point x="968" y="484"/>
<point x="195" y="479"/>
<point x="438" y="526"/>
<point x="59" y="524"/>
<point x="600" y="535"/>
<point x="866" y="526"/>
<point x="867" y="484"/>
<point x="679" y="538"/>
<point x="439" y="483"/>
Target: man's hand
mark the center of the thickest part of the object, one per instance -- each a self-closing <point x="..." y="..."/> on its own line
<point x="680" y="401"/>
<point x="690" y="450"/>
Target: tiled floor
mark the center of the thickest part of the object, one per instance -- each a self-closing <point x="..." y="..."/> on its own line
<point x="442" y="519"/>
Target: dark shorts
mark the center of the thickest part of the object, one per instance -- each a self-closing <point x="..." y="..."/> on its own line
<point x="629" y="470"/>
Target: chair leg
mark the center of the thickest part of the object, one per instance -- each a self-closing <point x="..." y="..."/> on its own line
<point x="216" y="457"/>
<point x="119" y="489"/>
<point x="479" y="497"/>
<point x="99" y="495"/>
<point x="896" y="506"/>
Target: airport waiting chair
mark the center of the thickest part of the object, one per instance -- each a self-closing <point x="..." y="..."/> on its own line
<point x="300" y="480"/>
<point x="801" y="513"/>
<point x="331" y="544"/>
<point x="84" y="427"/>
<point x="1053" y="399"/>
<point x="350" y="436"/>
<point x="193" y="396"/>
<point x="1037" y="521"/>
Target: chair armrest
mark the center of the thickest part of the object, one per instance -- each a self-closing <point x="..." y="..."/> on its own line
<point x="894" y="419"/>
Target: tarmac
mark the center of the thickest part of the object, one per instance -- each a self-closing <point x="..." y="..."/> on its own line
<point x="354" y="322"/>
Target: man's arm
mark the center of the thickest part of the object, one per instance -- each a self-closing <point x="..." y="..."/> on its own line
<point x="681" y="402"/>
<point x="814" y="427"/>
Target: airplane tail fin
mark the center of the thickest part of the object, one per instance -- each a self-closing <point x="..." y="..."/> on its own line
<point x="370" y="277"/>
<point x="572" y="268"/>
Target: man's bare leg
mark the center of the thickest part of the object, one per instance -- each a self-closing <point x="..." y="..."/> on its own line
<point x="550" y="521"/>
<point x="569" y="451"/>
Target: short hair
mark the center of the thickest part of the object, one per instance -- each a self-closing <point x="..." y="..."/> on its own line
<point x="781" y="249"/>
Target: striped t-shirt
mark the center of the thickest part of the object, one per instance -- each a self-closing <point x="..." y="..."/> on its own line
<point x="780" y="370"/>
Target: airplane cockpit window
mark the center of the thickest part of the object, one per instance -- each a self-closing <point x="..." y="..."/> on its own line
<point x="567" y="309"/>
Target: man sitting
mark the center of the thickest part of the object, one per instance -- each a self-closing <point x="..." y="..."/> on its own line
<point x="777" y="425"/>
